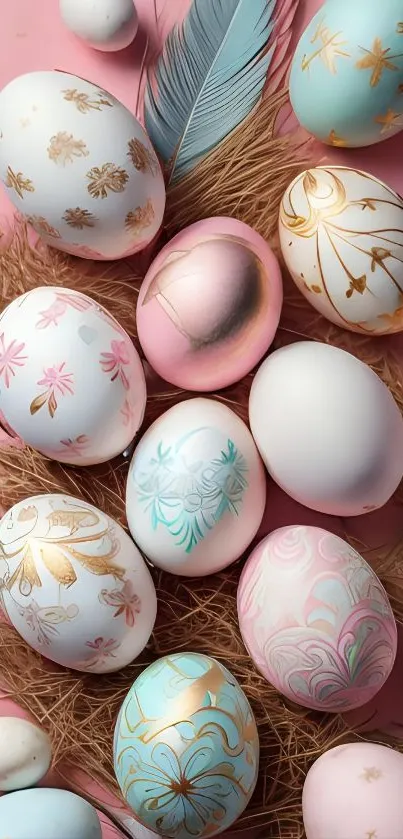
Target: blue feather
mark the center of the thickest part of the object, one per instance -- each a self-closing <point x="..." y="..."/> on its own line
<point x="208" y="79"/>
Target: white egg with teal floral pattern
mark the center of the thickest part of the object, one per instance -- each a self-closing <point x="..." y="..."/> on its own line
<point x="186" y="747"/>
<point x="346" y="82"/>
<point x="74" y="585"/>
<point x="196" y="489"/>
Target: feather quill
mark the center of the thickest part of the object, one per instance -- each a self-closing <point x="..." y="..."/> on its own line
<point x="209" y="78"/>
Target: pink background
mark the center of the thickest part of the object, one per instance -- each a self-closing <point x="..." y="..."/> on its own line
<point x="32" y="38"/>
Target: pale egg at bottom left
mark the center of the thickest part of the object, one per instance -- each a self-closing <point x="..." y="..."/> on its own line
<point x="74" y="584"/>
<point x="47" y="814"/>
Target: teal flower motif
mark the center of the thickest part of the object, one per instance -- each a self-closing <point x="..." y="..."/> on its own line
<point x="189" y="497"/>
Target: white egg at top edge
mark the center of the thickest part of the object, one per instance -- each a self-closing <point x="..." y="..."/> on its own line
<point x="79" y="166"/>
<point x="341" y="235"/>
<point x="74" y="585"/>
<point x="71" y="381"/>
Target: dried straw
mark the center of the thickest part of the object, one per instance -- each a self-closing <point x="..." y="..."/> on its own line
<point x="246" y="179"/>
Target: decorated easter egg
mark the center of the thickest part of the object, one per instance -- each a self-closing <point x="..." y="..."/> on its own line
<point x="25" y="754"/>
<point x="186" y="747"/>
<point x="71" y="381"/>
<point x="74" y="585"/>
<point x="79" y="166"/>
<point x="196" y="489"/>
<point x="210" y="305"/>
<point x="316" y="620"/>
<point x="367" y="774"/>
<point x="346" y="77"/>
<point x="341" y="235"/>
<point x="47" y="814"/>
<point x="328" y="429"/>
<point x="107" y="25"/>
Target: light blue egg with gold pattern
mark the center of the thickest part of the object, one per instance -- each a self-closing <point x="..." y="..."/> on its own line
<point x="346" y="82"/>
<point x="186" y="747"/>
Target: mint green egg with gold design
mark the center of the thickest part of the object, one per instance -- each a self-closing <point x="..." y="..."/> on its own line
<point x="346" y="81"/>
<point x="186" y="747"/>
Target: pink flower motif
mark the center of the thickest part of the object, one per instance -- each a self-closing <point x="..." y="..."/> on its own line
<point x="76" y="447"/>
<point x="55" y="380"/>
<point x="125" y="601"/>
<point x="10" y="357"/>
<point x="102" y="649"/>
<point x="52" y="315"/>
<point x="114" y="362"/>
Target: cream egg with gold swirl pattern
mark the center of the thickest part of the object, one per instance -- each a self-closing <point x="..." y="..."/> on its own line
<point x="341" y="235"/>
<point x="79" y="166"/>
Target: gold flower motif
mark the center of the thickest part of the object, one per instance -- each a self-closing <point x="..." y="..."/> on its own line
<point x="104" y="178"/>
<point x="79" y="219"/>
<point x="63" y="148"/>
<point x="329" y="49"/>
<point x="83" y="102"/>
<point x="334" y="140"/>
<point x="377" y="60"/>
<point x="389" y="121"/>
<point x="18" y="182"/>
<point x="42" y="226"/>
<point x="139" y="219"/>
<point x="142" y="158"/>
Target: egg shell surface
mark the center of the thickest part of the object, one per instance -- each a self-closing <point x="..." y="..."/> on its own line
<point x="74" y="584"/>
<point x="354" y="48"/>
<point x="79" y="166"/>
<point x="196" y="489"/>
<point x="316" y="620"/>
<point x="47" y="814"/>
<point x="210" y="304"/>
<point x="341" y="235"/>
<point x="106" y="25"/>
<point x="25" y="754"/>
<point x="328" y="429"/>
<point x="186" y="748"/>
<point x="354" y="790"/>
<point x="71" y="381"/>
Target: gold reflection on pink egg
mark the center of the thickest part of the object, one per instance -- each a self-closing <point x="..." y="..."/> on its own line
<point x="210" y="304"/>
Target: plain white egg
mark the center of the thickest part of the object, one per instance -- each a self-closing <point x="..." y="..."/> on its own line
<point x="107" y="25"/>
<point x="25" y="753"/>
<point x="196" y="489"/>
<point x="74" y="585"/>
<point x="328" y="429"/>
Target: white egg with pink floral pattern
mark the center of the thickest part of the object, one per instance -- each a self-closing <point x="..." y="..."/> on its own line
<point x="74" y="585"/>
<point x="316" y="620"/>
<point x="72" y="384"/>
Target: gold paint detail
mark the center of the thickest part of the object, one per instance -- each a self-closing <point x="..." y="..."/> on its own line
<point x="142" y="158"/>
<point x="330" y="48"/>
<point x="139" y="219"/>
<point x="42" y="226"/>
<point x="84" y="103"/>
<point x="378" y="60"/>
<point x="25" y="122"/>
<point x="394" y="320"/>
<point x="389" y="121"/>
<point x="316" y="289"/>
<point x="18" y="182"/>
<point x="378" y="257"/>
<point x="358" y="284"/>
<point x="79" y="218"/>
<point x="63" y="148"/>
<point x="106" y="178"/>
<point x="371" y="774"/>
<point x="399" y="28"/>
<point x="334" y="140"/>
<point x="59" y="552"/>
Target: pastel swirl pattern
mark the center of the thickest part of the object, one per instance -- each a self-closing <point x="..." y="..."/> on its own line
<point x="186" y="747"/>
<point x="316" y="620"/>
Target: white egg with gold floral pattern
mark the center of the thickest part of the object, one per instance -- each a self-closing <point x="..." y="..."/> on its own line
<point x="74" y="585"/>
<point x="341" y="235"/>
<point x="79" y="166"/>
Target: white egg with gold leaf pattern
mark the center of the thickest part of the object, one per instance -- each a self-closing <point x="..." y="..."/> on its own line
<point x="74" y="585"/>
<point x="79" y="166"/>
<point x="341" y="235"/>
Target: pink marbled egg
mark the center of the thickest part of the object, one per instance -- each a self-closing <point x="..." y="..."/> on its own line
<point x="316" y="620"/>
<point x="354" y="791"/>
<point x="210" y="305"/>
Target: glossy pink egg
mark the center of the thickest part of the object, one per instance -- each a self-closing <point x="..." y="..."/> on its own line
<point x="210" y="305"/>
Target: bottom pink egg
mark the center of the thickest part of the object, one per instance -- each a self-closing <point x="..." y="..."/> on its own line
<point x="354" y="792"/>
<point x="316" y="620"/>
<point x="210" y="305"/>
